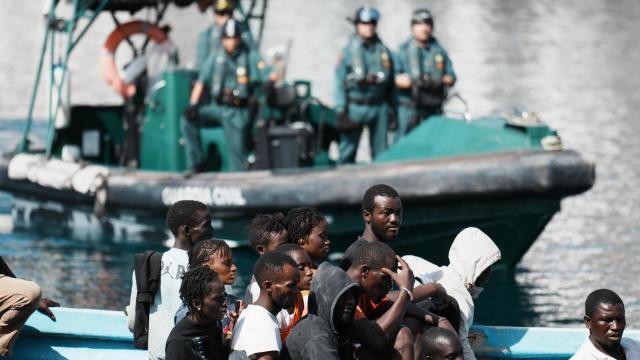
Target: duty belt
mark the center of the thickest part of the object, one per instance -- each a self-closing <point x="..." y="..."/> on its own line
<point x="231" y="100"/>
<point x="371" y="101"/>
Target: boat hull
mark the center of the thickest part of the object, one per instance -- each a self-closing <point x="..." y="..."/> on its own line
<point x="100" y="334"/>
<point x="511" y="196"/>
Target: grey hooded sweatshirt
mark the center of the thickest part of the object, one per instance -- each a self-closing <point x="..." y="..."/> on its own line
<point x="316" y="336"/>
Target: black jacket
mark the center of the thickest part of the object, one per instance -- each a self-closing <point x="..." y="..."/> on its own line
<point x="315" y="336"/>
<point x="192" y="341"/>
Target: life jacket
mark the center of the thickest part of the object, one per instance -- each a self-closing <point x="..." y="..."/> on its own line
<point x="299" y="311"/>
<point x="358" y="66"/>
<point x="221" y="62"/>
<point x="147" y="267"/>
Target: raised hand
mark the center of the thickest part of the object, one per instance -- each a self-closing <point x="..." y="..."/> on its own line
<point x="403" y="279"/>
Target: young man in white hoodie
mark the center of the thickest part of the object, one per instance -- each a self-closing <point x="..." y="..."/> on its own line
<point x="471" y="256"/>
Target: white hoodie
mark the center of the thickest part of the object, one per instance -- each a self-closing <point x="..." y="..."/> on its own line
<point x="471" y="252"/>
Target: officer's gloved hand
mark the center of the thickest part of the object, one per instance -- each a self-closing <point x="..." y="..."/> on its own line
<point x="191" y="113"/>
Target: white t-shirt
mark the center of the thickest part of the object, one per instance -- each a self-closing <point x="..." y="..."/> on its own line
<point x="256" y="332"/>
<point x="252" y="292"/>
<point x="166" y="302"/>
<point x="588" y="351"/>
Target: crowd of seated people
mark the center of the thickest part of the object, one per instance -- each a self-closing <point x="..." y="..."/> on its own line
<point x="374" y="304"/>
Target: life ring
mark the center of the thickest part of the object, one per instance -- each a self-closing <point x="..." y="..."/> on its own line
<point x="109" y="68"/>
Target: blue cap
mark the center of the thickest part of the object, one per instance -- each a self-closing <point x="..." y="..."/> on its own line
<point x="367" y="14"/>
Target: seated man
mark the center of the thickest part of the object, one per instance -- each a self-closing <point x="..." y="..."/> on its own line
<point x="231" y="73"/>
<point x="324" y="333"/>
<point x="377" y="326"/>
<point x="441" y="344"/>
<point x="257" y="334"/>
<point x="604" y="317"/>
<point x="471" y="256"/>
<point x="18" y="300"/>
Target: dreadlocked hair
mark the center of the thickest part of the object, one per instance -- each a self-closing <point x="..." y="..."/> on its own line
<point x="263" y="227"/>
<point x="301" y="221"/>
<point x="184" y="212"/>
<point x="195" y="284"/>
<point x="202" y="251"/>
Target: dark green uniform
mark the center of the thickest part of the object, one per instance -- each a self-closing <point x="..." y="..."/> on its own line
<point x="231" y="79"/>
<point x="426" y="66"/>
<point x="209" y="40"/>
<point x="364" y="82"/>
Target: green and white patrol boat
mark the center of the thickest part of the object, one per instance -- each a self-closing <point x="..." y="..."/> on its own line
<point x="118" y="168"/>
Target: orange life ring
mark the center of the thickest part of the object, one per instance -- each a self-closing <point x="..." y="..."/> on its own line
<point x="109" y="69"/>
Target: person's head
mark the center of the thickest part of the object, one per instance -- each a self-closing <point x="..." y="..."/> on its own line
<point x="366" y="268"/>
<point x="203" y="292"/>
<point x="266" y="232"/>
<point x="308" y="228"/>
<point x="217" y="256"/>
<point x="189" y="222"/>
<point x="441" y="344"/>
<point x="345" y="308"/>
<point x="333" y="297"/>
<point x="230" y="36"/>
<point x="382" y="212"/>
<point x="471" y="256"/>
<point x="278" y="276"/>
<point x="303" y="261"/>
<point x="222" y="11"/>
<point x="366" y="20"/>
<point x="421" y="25"/>
<point x="605" y="318"/>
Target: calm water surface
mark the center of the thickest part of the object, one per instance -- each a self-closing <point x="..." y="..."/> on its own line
<point x="573" y="62"/>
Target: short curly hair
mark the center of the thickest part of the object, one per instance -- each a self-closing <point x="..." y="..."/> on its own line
<point x="377" y="190"/>
<point x="263" y="227"/>
<point x="301" y="221"/>
<point x="269" y="266"/>
<point x="184" y="212"/>
<point x="195" y="284"/>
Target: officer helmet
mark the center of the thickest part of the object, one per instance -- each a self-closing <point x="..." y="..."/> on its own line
<point x="231" y="29"/>
<point x="223" y="6"/>
<point x="422" y="16"/>
<point x="366" y="14"/>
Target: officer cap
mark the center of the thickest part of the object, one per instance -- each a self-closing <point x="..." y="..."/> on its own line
<point x="422" y="16"/>
<point x="366" y="14"/>
<point x="231" y="29"/>
<point x="221" y="6"/>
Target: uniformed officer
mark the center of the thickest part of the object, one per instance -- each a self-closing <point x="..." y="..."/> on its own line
<point x="423" y="74"/>
<point x="210" y="38"/>
<point x="231" y="73"/>
<point x="364" y="83"/>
